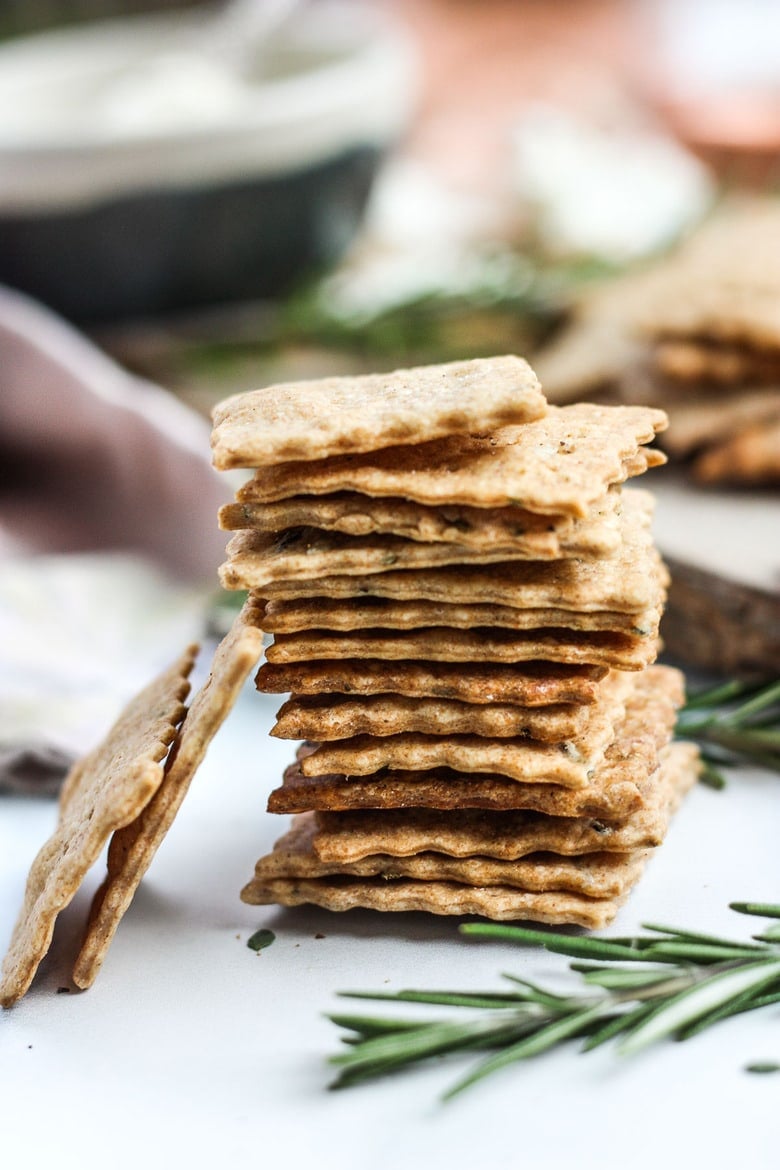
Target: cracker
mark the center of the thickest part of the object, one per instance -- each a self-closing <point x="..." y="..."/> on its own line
<point x="625" y="584"/>
<point x="499" y="903"/>
<point x="596" y="875"/>
<point x="132" y="848"/>
<point x="313" y="420"/>
<point x="348" y="836"/>
<point x="751" y="456"/>
<point x="478" y="645"/>
<point x="631" y="580"/>
<point x="256" y="559"/>
<point x="577" y="729"/>
<point x="104" y="791"/>
<point x="558" y="465"/>
<point x="360" y="613"/>
<point x="392" y="772"/>
<point x="399" y="755"/>
<point x="703" y="422"/>
<point x="692" y="362"/>
<point x="629" y="583"/>
<point x="527" y="533"/>
<point x="531" y="684"/>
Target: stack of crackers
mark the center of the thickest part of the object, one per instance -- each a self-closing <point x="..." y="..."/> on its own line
<point x="697" y="334"/>
<point x="464" y="605"/>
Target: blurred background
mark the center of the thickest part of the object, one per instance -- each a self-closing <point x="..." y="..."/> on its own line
<point x="200" y="199"/>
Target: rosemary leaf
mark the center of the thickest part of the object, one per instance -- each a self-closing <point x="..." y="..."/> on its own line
<point x="760" y="909"/>
<point x="541" y="1041"/>
<point x="688" y="1006"/>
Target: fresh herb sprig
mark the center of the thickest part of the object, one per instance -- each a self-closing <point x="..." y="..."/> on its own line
<point x="733" y="723"/>
<point x="668" y="983"/>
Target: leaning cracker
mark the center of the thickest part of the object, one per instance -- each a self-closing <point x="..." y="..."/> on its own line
<point x="531" y="684"/>
<point x="104" y="791"/>
<point x="312" y="420"/>
<point x="438" y="897"/>
<point x="596" y="875"/>
<point x="132" y="848"/>
<point x="557" y="465"/>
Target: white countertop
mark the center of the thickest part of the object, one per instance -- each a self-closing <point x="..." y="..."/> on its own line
<point x="190" y="1049"/>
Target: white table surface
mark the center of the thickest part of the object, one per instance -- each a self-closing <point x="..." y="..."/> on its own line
<point x="190" y="1049"/>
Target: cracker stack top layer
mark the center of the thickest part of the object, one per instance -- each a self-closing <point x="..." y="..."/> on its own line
<point x="456" y="600"/>
<point x="311" y="420"/>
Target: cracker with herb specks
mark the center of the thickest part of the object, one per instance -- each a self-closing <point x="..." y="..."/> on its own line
<point x="576" y="729"/>
<point x="317" y="419"/>
<point x="531" y="535"/>
<point x="596" y="875"/>
<point x="557" y="465"/>
<point x="529" y="684"/>
<point x="499" y="903"/>
<point x="349" y="836"/>
<point x="478" y="645"/>
<point x="361" y="613"/>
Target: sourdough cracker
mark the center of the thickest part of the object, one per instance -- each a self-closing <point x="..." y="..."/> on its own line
<point x="432" y="772"/>
<point x="699" y="422"/>
<point x="751" y="456"/>
<point x="596" y="875"/>
<point x="259" y="559"/>
<point x="133" y="847"/>
<point x="531" y="535"/>
<point x="634" y="580"/>
<point x="476" y="645"/>
<point x="557" y="465"/>
<point x="576" y="729"/>
<point x="349" y="836"/>
<point x="364" y="756"/>
<point x="531" y="684"/>
<point x="103" y="792"/>
<point x="500" y="903"/>
<point x="313" y="420"/>
<point x="361" y="613"/>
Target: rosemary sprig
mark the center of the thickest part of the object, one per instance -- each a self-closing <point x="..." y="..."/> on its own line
<point x="667" y="983"/>
<point x="733" y="723"/>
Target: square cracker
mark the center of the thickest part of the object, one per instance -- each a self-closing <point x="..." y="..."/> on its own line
<point x="531" y="684"/>
<point x="627" y="581"/>
<point x="465" y="772"/>
<point x="479" y="645"/>
<point x="500" y="903"/>
<point x="104" y="791"/>
<point x="576" y="729"/>
<point x="132" y="847"/>
<point x="348" y="836"/>
<point x="361" y="613"/>
<point x="313" y="420"/>
<point x="528" y="533"/>
<point x="751" y="456"/>
<point x="556" y="465"/>
<point x="596" y="875"/>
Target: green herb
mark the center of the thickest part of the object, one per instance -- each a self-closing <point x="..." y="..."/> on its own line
<point x="638" y="990"/>
<point x="733" y="723"/>
<point x="762" y="1066"/>
<point x="260" y="940"/>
